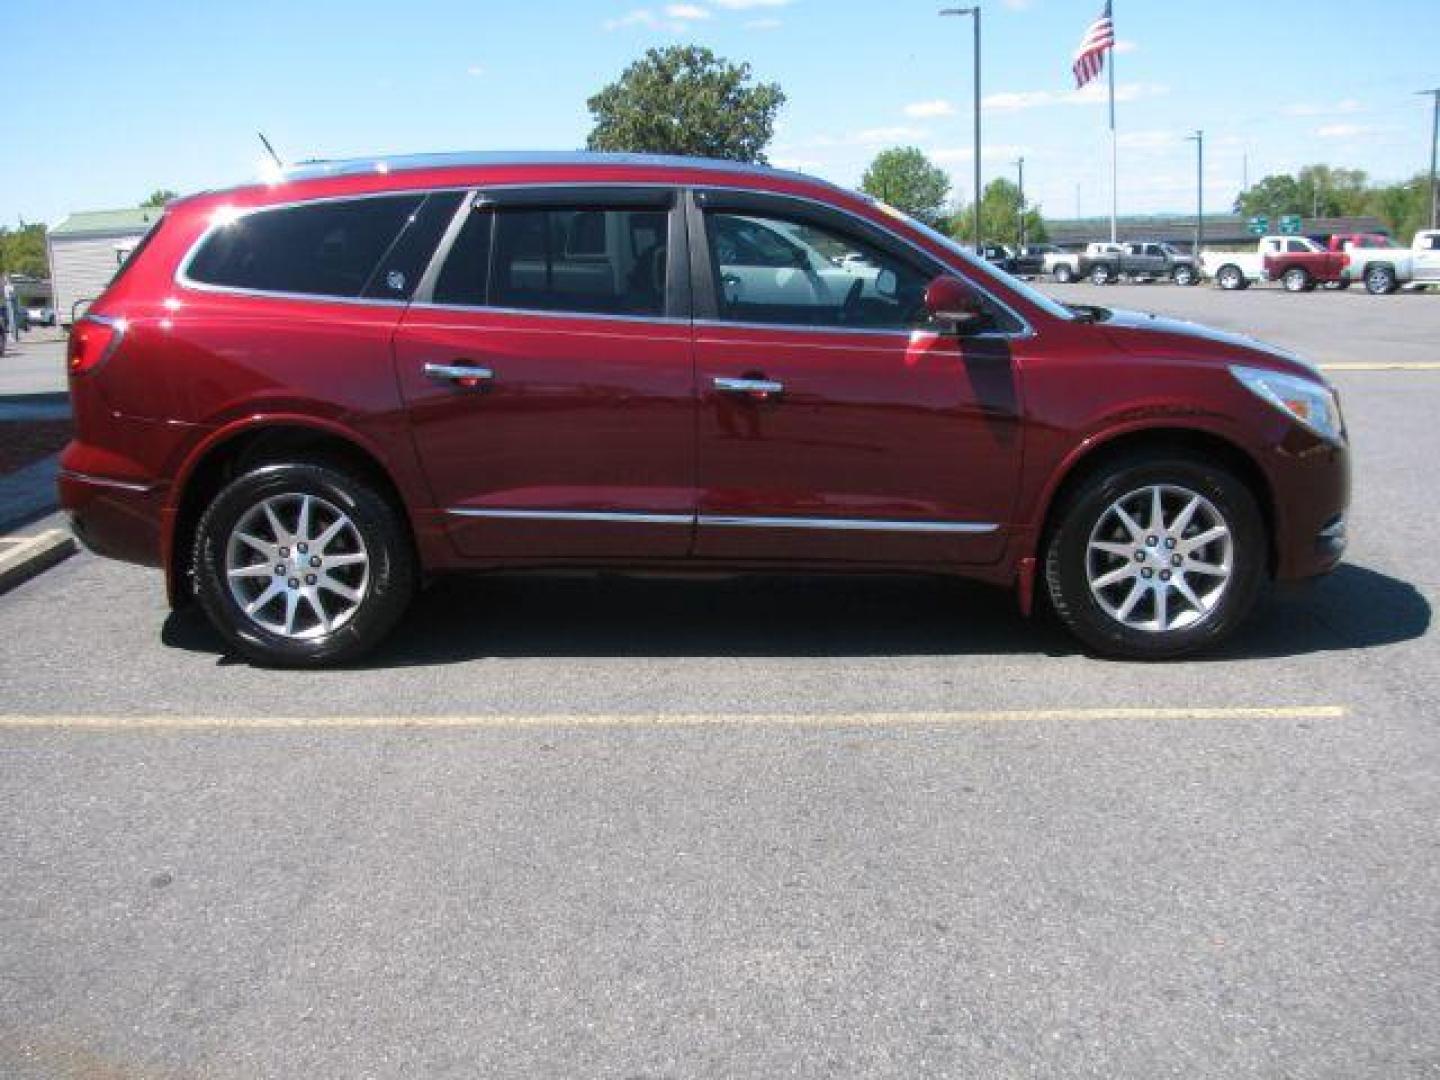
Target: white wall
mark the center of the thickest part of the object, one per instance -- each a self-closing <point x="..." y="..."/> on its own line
<point x="81" y="267"/>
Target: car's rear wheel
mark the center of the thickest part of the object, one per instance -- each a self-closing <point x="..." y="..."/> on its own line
<point x="1100" y="275"/>
<point x="302" y="565"/>
<point x="1380" y="280"/>
<point x="1230" y="277"/>
<point x="1185" y="275"/>
<point x="1296" y="279"/>
<point x="1155" y="559"/>
<point x="1064" y="275"/>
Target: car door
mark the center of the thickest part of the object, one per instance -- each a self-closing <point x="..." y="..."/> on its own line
<point x="847" y="431"/>
<point x="1426" y="257"/>
<point x="546" y="371"/>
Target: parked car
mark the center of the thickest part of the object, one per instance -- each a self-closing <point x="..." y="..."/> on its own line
<point x="1233" y="270"/>
<point x="1385" y="268"/>
<point x="1343" y="242"/>
<point x="303" y="399"/>
<point x="998" y="255"/>
<point x="1029" y="261"/>
<point x="1139" y="261"/>
<point x="40" y="315"/>
<point x="1064" y="267"/>
<point x="1300" y="265"/>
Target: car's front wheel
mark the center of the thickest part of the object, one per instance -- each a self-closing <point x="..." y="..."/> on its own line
<point x="1380" y="280"/>
<point x="1296" y="279"/>
<point x="302" y="565"/>
<point x="1063" y="274"/>
<point x="1231" y="278"/>
<point x="1100" y="275"/>
<point x="1155" y="559"/>
<point x="1185" y="275"/>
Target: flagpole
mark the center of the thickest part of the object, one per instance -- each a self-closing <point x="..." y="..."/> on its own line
<point x="1114" y="154"/>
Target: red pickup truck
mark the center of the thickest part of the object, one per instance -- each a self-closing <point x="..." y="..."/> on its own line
<point x="1304" y="264"/>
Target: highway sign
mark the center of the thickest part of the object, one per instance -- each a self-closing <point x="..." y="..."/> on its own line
<point x="1290" y="223"/>
<point x="1259" y="224"/>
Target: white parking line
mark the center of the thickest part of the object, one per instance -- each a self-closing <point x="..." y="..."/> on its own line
<point x="662" y="720"/>
<point x="1383" y="365"/>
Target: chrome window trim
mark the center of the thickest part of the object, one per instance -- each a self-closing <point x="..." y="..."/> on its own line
<point x="183" y="279"/>
<point x="967" y="528"/>
<point x="430" y="305"/>
<point x="106" y="481"/>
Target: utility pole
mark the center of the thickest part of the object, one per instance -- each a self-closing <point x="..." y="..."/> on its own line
<point x="1020" y="165"/>
<point x="1434" y="140"/>
<point x="974" y="13"/>
<point x="1199" y="140"/>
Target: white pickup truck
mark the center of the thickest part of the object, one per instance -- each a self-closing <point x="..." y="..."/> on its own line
<point x="1241" y="269"/>
<point x="1385" y="269"/>
<point x="1064" y="266"/>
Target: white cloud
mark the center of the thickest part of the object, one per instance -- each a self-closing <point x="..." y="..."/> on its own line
<point x="686" y="12"/>
<point x="1018" y="5"/>
<point x="1343" y="107"/>
<point x="1125" y="45"/>
<point x="924" y="109"/>
<point x="746" y="5"/>
<point x="1342" y="131"/>
<point x="638" y="17"/>
<point x="761" y="24"/>
<point x="875" y="136"/>
<point x="474" y="71"/>
<point x="1013" y="100"/>
<point x="1154" y="139"/>
<point x="988" y="152"/>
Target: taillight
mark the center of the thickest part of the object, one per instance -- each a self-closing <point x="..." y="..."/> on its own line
<point x="92" y="340"/>
<point x="1345" y="258"/>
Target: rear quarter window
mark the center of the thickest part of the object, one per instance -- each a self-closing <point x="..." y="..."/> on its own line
<point x="318" y="249"/>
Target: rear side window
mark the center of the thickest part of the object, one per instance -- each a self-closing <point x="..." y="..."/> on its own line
<point x="586" y="260"/>
<point x="318" y="249"/>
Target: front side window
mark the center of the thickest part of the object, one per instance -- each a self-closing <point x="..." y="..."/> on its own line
<point x="316" y="249"/>
<point x="775" y="269"/>
<point x="587" y="260"/>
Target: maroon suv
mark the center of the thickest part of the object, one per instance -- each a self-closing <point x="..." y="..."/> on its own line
<point x="303" y="399"/>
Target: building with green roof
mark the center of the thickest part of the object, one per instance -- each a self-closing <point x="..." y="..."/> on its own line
<point x="87" y="248"/>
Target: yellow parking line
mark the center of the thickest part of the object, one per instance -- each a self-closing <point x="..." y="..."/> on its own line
<point x="662" y="720"/>
<point x="1384" y="365"/>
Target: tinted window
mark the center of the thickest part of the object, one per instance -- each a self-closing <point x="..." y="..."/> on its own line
<point x="399" y="269"/>
<point x="600" y="261"/>
<point x="777" y="270"/>
<point x="321" y="249"/>
<point x="1295" y="245"/>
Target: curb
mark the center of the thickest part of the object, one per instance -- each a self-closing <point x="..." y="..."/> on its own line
<point x="22" y="557"/>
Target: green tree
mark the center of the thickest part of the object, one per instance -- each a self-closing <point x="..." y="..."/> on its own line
<point x="686" y="100"/>
<point x="160" y="197"/>
<point x="22" y="251"/>
<point x="906" y="179"/>
<point x="999" y="217"/>
<point x="1273" y="197"/>
<point x="1403" y="207"/>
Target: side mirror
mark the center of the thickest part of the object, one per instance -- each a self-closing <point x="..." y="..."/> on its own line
<point x="955" y="305"/>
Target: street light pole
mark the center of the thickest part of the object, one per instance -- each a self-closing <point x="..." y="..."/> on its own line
<point x="1020" y="167"/>
<point x="1199" y="140"/>
<point x="1434" y="140"/>
<point x="974" y="13"/>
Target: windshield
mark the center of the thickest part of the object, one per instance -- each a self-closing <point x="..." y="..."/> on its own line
<point x="978" y="266"/>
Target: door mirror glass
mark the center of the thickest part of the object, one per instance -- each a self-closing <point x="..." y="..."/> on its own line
<point x="955" y="305"/>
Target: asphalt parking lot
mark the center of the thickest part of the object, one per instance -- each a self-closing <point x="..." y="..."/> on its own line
<point x="758" y="827"/>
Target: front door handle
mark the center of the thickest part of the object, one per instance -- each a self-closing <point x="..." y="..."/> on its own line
<point x="752" y="387"/>
<point x="466" y="375"/>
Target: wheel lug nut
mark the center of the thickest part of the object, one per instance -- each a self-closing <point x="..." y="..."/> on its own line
<point x="1147" y="573"/>
<point x="280" y="570"/>
<point x="314" y="560"/>
<point x="284" y="552"/>
<point x="1152" y="540"/>
<point x="1140" y="556"/>
<point x="294" y="583"/>
<point x="302" y="548"/>
<point x="1169" y="541"/>
<point x="1175" y="560"/>
<point x="309" y="579"/>
<point x="1164" y="575"/>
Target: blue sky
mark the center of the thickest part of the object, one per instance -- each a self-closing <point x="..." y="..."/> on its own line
<point x="132" y="96"/>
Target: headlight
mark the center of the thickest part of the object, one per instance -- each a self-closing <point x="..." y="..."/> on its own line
<point x="1311" y="403"/>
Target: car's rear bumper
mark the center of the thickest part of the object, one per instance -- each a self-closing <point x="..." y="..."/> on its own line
<point x="115" y="517"/>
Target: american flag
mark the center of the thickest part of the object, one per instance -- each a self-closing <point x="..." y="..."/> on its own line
<point x="1090" y="57"/>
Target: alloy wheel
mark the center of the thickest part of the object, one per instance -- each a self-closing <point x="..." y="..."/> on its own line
<point x="297" y="566"/>
<point x="1160" y="558"/>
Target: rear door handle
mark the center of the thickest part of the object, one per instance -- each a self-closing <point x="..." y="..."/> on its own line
<point x="467" y="375"/>
<point x="760" y="387"/>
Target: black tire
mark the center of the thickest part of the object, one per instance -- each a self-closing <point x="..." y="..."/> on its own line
<point x="1297" y="279"/>
<point x="1341" y="285"/>
<point x="1064" y="274"/>
<point x="391" y="572"/>
<point x="1380" y="280"/>
<point x="1185" y="275"/>
<point x="1231" y="278"/>
<point x="1100" y="275"/>
<point x="1067" y="552"/>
